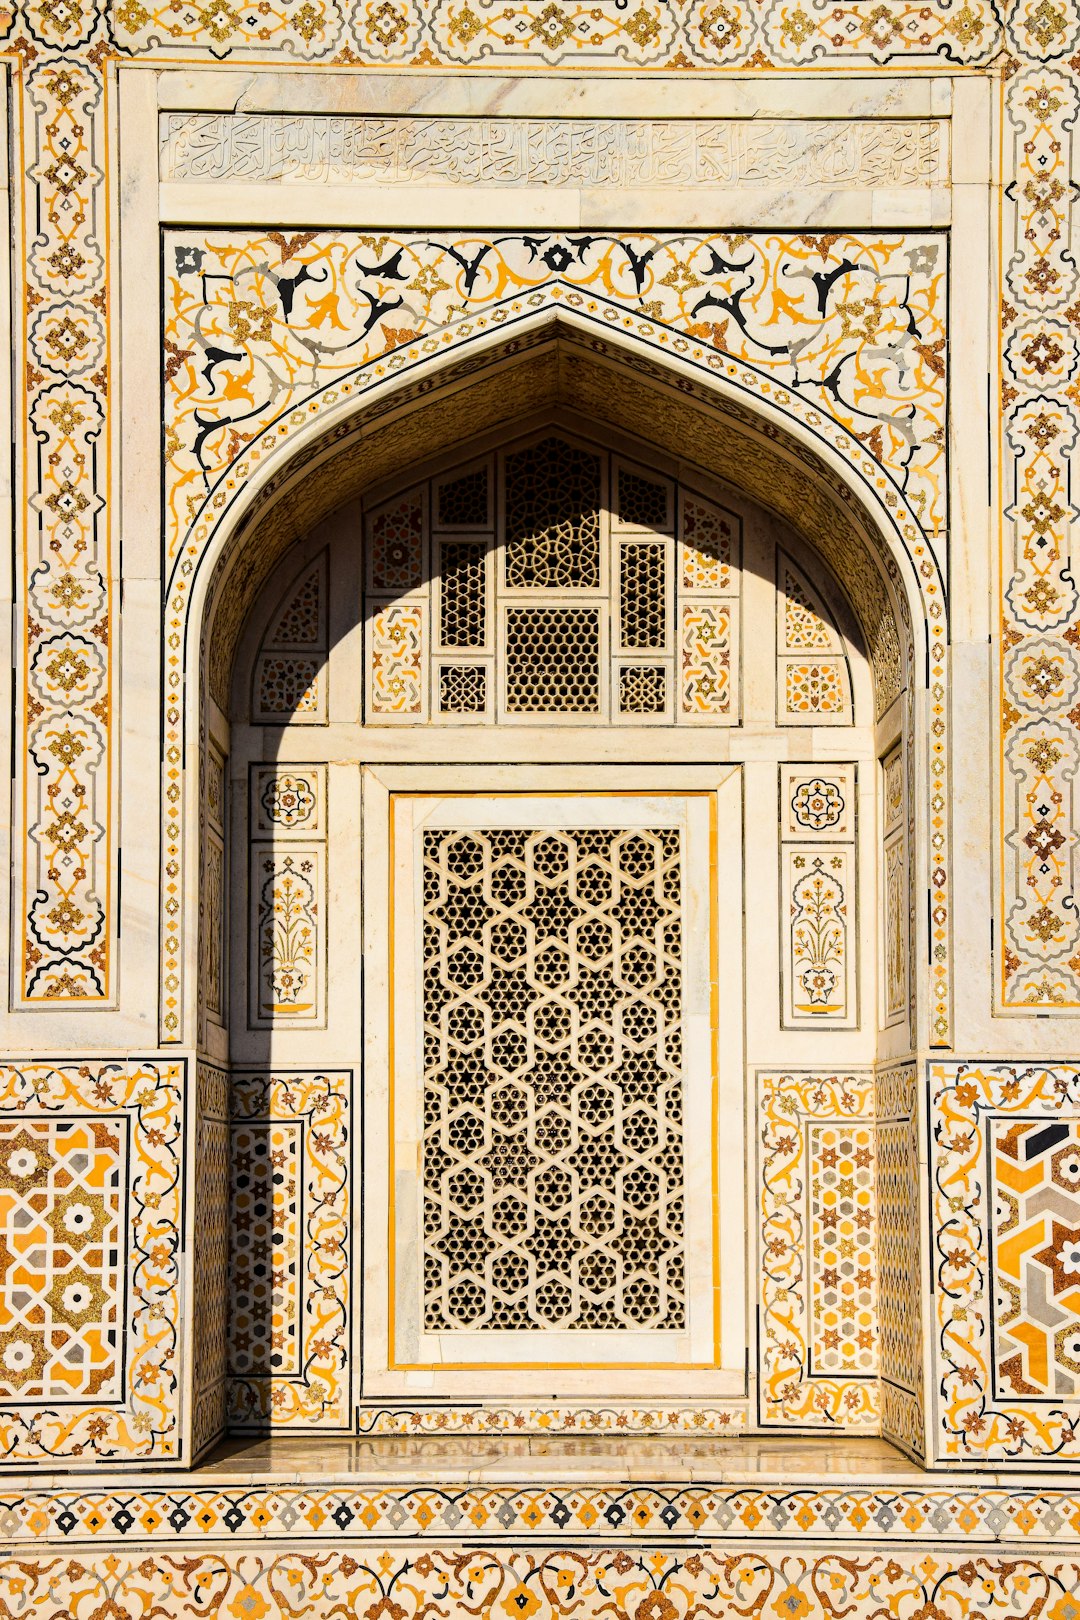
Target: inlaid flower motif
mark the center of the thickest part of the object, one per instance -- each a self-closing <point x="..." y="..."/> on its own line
<point x="288" y="801"/>
<point x="817" y="804"/>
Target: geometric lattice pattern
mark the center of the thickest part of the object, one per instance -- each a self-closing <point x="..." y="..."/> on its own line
<point x="210" y="1260"/>
<point x="287" y="687"/>
<point x="290" y="1256"/>
<point x="290" y="681"/>
<point x="552" y="660"/>
<point x="300" y="617"/>
<point x="63" y="1185"/>
<point x="561" y="603"/>
<point x="642" y="689"/>
<point x="462" y="593"/>
<point x="900" y="1216"/>
<point x="1036" y="1256"/>
<point x="396" y="540"/>
<point x="553" y="1106"/>
<point x="463" y="689"/>
<point x="1004" y="1226"/>
<point x="804" y="628"/>
<point x="265" y="1225"/>
<point x="92" y="1183"/>
<point x="843" y="1262"/>
<point x="553" y="499"/>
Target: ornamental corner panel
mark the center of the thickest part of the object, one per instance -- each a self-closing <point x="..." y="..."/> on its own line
<point x="1005" y="1170"/>
<point x="91" y="1352"/>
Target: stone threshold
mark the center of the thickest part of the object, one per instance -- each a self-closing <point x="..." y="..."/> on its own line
<point x="536" y="1490"/>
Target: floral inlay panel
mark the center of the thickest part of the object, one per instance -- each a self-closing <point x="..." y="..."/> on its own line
<point x="258" y="325"/>
<point x="287" y="930"/>
<point x="638" y="1583"/>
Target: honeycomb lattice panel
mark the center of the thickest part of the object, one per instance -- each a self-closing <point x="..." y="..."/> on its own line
<point x="552" y="660"/>
<point x="463" y="594"/>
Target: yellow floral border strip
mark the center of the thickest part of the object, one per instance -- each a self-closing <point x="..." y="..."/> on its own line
<point x="640" y="1583"/>
<point x="661" y="35"/>
<point x="1039" y="958"/>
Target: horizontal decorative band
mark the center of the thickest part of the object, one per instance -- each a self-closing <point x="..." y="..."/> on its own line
<point x="330" y="1514"/>
<point x="819" y="154"/>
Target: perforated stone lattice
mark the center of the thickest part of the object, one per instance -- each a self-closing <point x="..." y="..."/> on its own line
<point x="552" y="660"/>
<point x="462" y="594"/>
<point x="553" y="1091"/>
<point x="464" y="501"/>
<point x="577" y="590"/>
<point x="553" y="499"/>
<point x="643" y="595"/>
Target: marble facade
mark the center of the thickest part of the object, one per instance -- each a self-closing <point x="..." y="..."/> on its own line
<point x="294" y="289"/>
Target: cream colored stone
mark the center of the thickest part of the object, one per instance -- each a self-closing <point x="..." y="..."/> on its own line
<point x="637" y="153"/>
<point x="229" y="88"/>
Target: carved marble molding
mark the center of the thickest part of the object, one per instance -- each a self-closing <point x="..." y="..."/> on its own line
<point x="808" y="154"/>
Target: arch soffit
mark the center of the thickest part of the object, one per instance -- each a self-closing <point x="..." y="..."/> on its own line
<point x="876" y="555"/>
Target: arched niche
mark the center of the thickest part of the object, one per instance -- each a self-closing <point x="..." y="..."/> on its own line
<point x="559" y="383"/>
